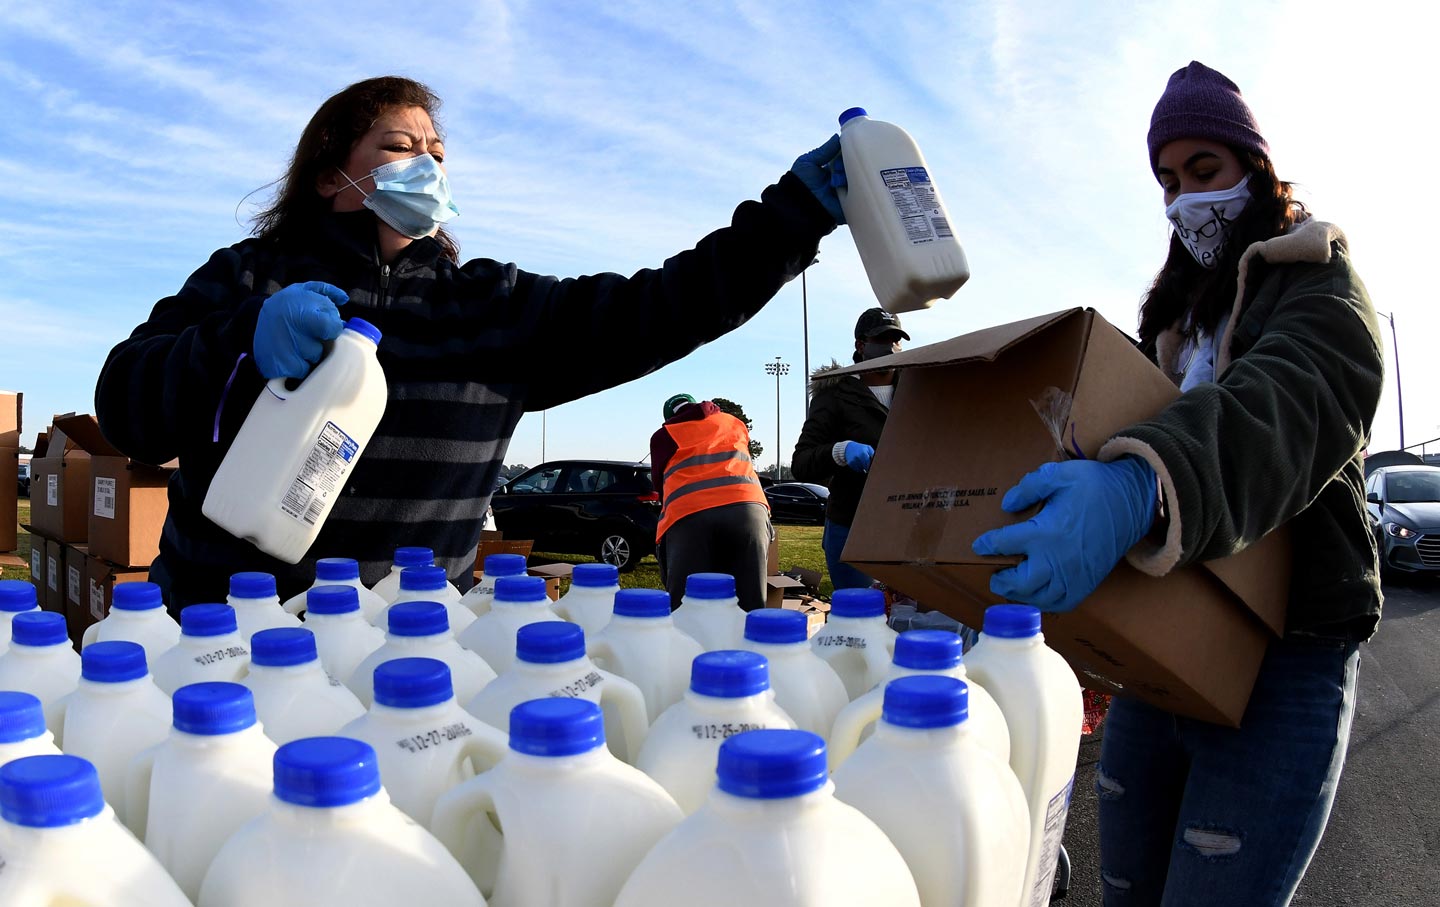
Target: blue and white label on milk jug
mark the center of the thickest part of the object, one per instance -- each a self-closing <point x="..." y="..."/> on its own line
<point x="323" y="471"/>
<point x="917" y="203"/>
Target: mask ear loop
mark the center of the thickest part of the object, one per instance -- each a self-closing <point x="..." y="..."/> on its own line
<point x="352" y="182"/>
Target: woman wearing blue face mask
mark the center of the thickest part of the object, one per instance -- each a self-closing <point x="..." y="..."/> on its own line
<point x="357" y="229"/>
<point x="1258" y="316"/>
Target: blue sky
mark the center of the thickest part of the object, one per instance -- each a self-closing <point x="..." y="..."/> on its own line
<point x="606" y="136"/>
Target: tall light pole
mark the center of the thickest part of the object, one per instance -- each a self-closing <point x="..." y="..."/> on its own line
<point x="777" y="368"/>
<point x="805" y="321"/>
<point x="1399" y="396"/>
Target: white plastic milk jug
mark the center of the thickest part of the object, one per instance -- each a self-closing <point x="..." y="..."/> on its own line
<point x="425" y="741"/>
<point x="41" y="661"/>
<point x="772" y="834"/>
<point x="16" y="597"/>
<point x="1040" y="698"/>
<point x="559" y="821"/>
<point x="292" y="456"/>
<point x="729" y="694"/>
<point x="389" y="585"/>
<point x="257" y="606"/>
<point x="642" y="644"/>
<point x="294" y="696"/>
<point x="137" y="614"/>
<point x="331" y="836"/>
<point x="114" y="714"/>
<point x="710" y="612"/>
<point x="591" y="599"/>
<point x="922" y="652"/>
<point x="340" y="571"/>
<point x="62" y="846"/>
<point x="481" y="594"/>
<point x="954" y="811"/>
<point x="210" y="776"/>
<point x="519" y="601"/>
<point x="905" y="238"/>
<point x="209" y="649"/>
<point x="422" y="630"/>
<point x="428" y="584"/>
<point x="343" y="637"/>
<point x="22" y="727"/>
<point x="855" y="640"/>
<point x="805" y="686"/>
<point x="551" y="661"/>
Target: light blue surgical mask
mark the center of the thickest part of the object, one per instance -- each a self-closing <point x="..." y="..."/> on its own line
<point x="411" y="195"/>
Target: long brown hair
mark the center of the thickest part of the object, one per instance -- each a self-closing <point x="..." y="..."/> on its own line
<point x="1197" y="298"/>
<point x="326" y="142"/>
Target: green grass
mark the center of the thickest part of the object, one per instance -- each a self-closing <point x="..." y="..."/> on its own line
<point x="23" y="551"/>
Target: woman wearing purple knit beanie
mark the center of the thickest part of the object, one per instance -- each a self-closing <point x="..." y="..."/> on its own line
<point x="1259" y="318"/>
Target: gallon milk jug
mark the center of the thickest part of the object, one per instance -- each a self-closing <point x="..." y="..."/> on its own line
<point x="114" y="713"/>
<point x="340" y="571"/>
<point x="642" y="644"/>
<point x="729" y="694"/>
<point x="591" y="599"/>
<point x="559" y="821"/>
<point x="855" y="640"/>
<point x="210" y="776"/>
<point x="209" y="649"/>
<point x="137" y="614"/>
<point x="22" y="727"/>
<point x="425" y="741"/>
<point x="519" y="600"/>
<point x="41" y="661"/>
<point x="1040" y="698"/>
<point x="954" y="811"/>
<point x="710" y="612"/>
<point x="805" y="686"/>
<point x="62" y="846"/>
<point x="428" y="584"/>
<point x="331" y="836"/>
<point x="772" y="834"/>
<point x="422" y="630"/>
<point x="551" y="661"/>
<point x="16" y="597"/>
<point x="481" y="594"/>
<point x="256" y="605"/>
<point x="289" y="463"/>
<point x="922" y="652"/>
<point x="892" y="206"/>
<point x="294" y="697"/>
<point x="389" y="585"/>
<point x="343" y="637"/>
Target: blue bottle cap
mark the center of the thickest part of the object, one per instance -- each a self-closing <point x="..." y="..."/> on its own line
<point x="208" y="620"/>
<point x="412" y="683"/>
<point x="709" y="585"/>
<point x="772" y="764"/>
<point x="22" y="717"/>
<point x="549" y="642"/>
<point x="926" y="701"/>
<point x="1012" y="621"/>
<point x="213" y="708"/>
<point x="414" y="557"/>
<point x="776" y="626"/>
<point x="504" y="565"/>
<point x="18" y="595"/>
<point x="729" y="674"/>
<point x="928" y="650"/>
<point x="252" y="584"/>
<point x="49" y="791"/>
<point x="364" y="329"/>
<point x="595" y="576"/>
<point x="38" y="628"/>
<point x="281" y="647"/>
<point x="556" y="726"/>
<point x="137" y="597"/>
<point x="332" y="600"/>
<point x="418" y="619"/>
<point x="326" y="771"/>
<point x="422" y="579"/>
<point x="337" y="569"/>
<point x="852" y="113"/>
<point x="114" y="661"/>
<point x="857" y="603"/>
<point x="642" y="603"/>
<point x="521" y="589"/>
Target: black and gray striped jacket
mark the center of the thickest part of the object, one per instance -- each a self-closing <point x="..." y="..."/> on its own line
<point x="466" y="350"/>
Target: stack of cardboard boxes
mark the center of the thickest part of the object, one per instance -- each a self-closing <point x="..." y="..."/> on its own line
<point x="11" y="407"/>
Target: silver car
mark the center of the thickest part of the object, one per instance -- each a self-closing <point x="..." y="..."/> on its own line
<point x="1404" y="507"/>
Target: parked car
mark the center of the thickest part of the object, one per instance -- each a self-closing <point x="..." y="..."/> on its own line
<point x="1404" y="507"/>
<point x="604" y="508"/>
<point x="24" y="488"/>
<point x="798" y="502"/>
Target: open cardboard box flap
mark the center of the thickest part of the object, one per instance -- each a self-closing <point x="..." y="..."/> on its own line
<point x="81" y="433"/>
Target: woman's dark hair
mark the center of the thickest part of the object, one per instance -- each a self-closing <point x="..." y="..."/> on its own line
<point x="326" y="143"/>
<point x="1196" y="297"/>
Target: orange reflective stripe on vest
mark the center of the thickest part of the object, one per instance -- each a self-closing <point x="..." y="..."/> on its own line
<point x="711" y="468"/>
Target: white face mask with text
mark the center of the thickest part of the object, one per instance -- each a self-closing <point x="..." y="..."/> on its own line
<point x="1205" y="220"/>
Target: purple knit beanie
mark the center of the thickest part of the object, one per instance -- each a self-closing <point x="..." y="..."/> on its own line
<point x="1200" y="103"/>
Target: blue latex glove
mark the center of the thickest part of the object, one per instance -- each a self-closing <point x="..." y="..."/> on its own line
<point x="822" y="172"/>
<point x="1094" y="512"/>
<point x="858" y="456"/>
<point x="293" y="326"/>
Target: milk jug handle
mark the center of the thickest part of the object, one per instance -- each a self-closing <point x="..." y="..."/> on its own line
<point x="849" y="725"/>
<point x="89" y="636"/>
<point x="629" y="702"/>
<point x="57" y="715"/>
<point x="601" y="652"/>
<point x="295" y="606"/>
<point x="137" y="789"/>
<point x="460" y="811"/>
<point x="485" y="748"/>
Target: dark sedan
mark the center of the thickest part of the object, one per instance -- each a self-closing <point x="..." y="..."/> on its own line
<point x="1404" y="507"/>
<point x="603" y="508"/>
<point x="797" y="502"/>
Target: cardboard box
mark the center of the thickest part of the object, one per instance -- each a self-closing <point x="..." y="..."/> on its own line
<point x="816" y="611"/>
<point x="52" y="597"/>
<point x="9" y="498"/>
<point x="492" y="542"/>
<point x="77" y="593"/>
<point x="37" y="564"/>
<point x="966" y="424"/>
<point x="553" y="574"/>
<point x="776" y="588"/>
<point x="12" y="411"/>
<point x="60" y="486"/>
<point x="101" y="577"/>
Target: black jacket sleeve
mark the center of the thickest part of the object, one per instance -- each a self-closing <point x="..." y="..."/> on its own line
<point x="813" y="461"/>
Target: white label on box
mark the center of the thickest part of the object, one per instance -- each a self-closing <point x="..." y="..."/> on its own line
<point x="97" y="600"/>
<point x="105" y="497"/>
<point x="52" y="490"/>
<point x="73" y="590"/>
<point x="37" y="556"/>
<point x="52" y="570"/>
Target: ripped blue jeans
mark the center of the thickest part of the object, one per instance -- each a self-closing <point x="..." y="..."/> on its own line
<point x="1192" y="813"/>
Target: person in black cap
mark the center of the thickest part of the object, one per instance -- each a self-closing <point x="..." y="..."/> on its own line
<point x="841" y="430"/>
